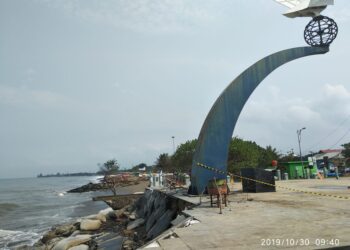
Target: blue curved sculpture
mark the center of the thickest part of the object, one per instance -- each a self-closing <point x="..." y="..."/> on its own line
<point x="216" y="133"/>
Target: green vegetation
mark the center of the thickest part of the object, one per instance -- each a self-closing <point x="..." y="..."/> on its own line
<point x="241" y="154"/>
<point x="164" y="163"/>
<point x="346" y="153"/>
<point x="109" y="167"/>
<point x="248" y="154"/>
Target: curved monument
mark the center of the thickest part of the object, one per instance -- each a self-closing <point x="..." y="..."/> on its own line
<point x="216" y="133"/>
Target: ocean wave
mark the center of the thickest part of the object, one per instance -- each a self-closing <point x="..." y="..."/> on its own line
<point x="12" y="239"/>
<point x="7" y="207"/>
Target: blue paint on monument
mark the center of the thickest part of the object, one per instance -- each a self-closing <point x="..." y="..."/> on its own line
<point x="216" y="133"/>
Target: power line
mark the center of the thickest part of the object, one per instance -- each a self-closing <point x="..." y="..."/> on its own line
<point x="341" y="138"/>
<point x="329" y="134"/>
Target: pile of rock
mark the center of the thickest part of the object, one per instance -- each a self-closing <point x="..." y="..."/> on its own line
<point x="80" y="235"/>
<point x="127" y="228"/>
<point x="89" y="187"/>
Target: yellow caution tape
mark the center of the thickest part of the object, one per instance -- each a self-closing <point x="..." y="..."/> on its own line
<point x="269" y="184"/>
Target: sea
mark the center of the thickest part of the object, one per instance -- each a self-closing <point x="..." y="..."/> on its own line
<point x="31" y="206"/>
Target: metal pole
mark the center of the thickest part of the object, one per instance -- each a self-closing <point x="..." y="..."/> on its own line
<point x="299" y="142"/>
<point x="173" y="144"/>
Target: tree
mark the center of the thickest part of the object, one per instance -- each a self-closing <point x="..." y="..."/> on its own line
<point x="182" y="158"/>
<point x="137" y="167"/>
<point x="346" y="150"/>
<point x="164" y="162"/>
<point x="346" y="153"/>
<point x="243" y="154"/>
<point x="108" y="169"/>
<point x="290" y="156"/>
<point x="248" y="154"/>
<point x="267" y="155"/>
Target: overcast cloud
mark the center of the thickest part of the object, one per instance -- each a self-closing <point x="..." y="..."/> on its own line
<point x="83" y="81"/>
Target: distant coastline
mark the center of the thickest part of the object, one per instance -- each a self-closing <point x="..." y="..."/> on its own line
<point x="67" y="174"/>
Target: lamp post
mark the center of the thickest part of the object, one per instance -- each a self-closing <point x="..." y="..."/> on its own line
<point x="173" y="144"/>
<point x="299" y="142"/>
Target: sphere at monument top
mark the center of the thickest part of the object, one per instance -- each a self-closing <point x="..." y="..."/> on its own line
<point x="320" y="31"/>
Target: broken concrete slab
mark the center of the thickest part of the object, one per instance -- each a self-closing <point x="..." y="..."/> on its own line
<point x="162" y="224"/>
<point x="135" y="224"/>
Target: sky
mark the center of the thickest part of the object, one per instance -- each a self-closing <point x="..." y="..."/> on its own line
<point x="85" y="81"/>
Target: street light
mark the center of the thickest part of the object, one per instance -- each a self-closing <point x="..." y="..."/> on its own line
<point x="299" y="141"/>
<point x="173" y="143"/>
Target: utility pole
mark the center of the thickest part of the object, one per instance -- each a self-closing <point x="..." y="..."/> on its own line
<point x="173" y="144"/>
<point x="299" y="142"/>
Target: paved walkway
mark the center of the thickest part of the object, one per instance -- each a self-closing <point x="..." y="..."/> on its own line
<point x="278" y="220"/>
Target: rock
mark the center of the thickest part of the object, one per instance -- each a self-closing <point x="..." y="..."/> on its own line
<point x="132" y="216"/>
<point x="88" y="187"/>
<point x="128" y="244"/>
<point x="48" y="236"/>
<point x="88" y="224"/>
<point x="128" y="233"/>
<point x="72" y="241"/>
<point x="106" y="211"/>
<point x="76" y="232"/>
<point x="111" y="215"/>
<point x="65" y="230"/>
<point x="80" y="247"/>
<point x="135" y="224"/>
<point x="98" y="216"/>
<point x="53" y="242"/>
<point x="101" y="217"/>
<point x="120" y="213"/>
<point x="109" y="240"/>
<point x="91" y="216"/>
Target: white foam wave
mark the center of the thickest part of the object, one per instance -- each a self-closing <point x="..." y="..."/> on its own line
<point x="10" y="239"/>
<point x="96" y="179"/>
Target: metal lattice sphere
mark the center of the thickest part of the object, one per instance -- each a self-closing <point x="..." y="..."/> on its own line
<point x="321" y="31"/>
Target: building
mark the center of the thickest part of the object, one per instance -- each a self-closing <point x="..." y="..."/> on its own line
<point x="335" y="158"/>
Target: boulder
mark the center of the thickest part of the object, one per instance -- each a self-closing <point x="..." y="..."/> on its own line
<point x="135" y="224"/>
<point x="98" y="216"/>
<point x="53" y="242"/>
<point x="48" y="236"/>
<point x="65" y="230"/>
<point x="128" y="233"/>
<point x="76" y="232"/>
<point x="80" y="247"/>
<point x="72" y="241"/>
<point x="128" y="244"/>
<point x="88" y="187"/>
<point x="106" y="211"/>
<point x="132" y="216"/>
<point x="101" y="217"/>
<point x="120" y="213"/>
<point x="88" y="224"/>
<point x="111" y="215"/>
<point x="91" y="216"/>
